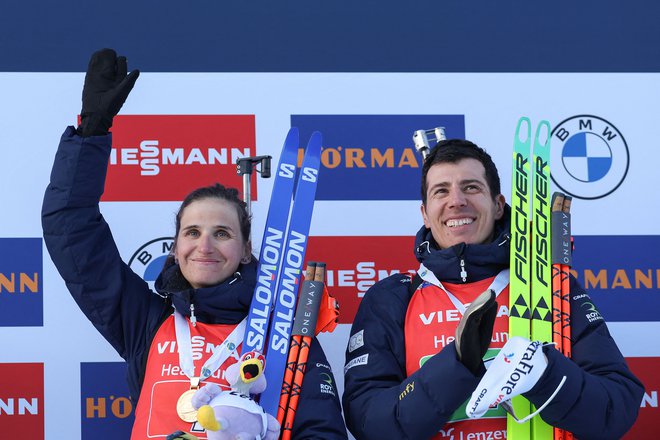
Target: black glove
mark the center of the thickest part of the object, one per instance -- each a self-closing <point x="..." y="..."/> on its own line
<point x="106" y="88"/>
<point x="475" y="331"/>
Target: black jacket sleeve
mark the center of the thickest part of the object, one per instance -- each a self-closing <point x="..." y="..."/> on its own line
<point x="319" y="413"/>
<point x="601" y="397"/>
<point x="380" y="400"/>
<point x="115" y="299"/>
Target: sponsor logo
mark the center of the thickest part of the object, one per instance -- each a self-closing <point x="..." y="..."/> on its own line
<point x="590" y="157"/>
<point x="22" y="401"/>
<point x="591" y="313"/>
<point x="356" y="341"/>
<point x="410" y="387"/>
<point x="287" y="292"/>
<point x="106" y="409"/>
<point x="163" y="157"/>
<point x="453" y="433"/>
<point x="522" y="369"/>
<point x="21" y="282"/>
<point x="371" y="157"/>
<point x="326" y="384"/>
<point x="149" y="259"/>
<point x="625" y="286"/>
<point x="199" y="347"/>
<point x="263" y="294"/>
<point x="360" y="360"/>
<point x="357" y="263"/>
<point x="478" y="401"/>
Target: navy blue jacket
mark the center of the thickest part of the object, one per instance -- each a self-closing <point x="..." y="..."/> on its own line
<point x="120" y="304"/>
<point x="600" y="399"/>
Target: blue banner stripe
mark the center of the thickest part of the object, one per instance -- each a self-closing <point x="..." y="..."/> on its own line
<point x="619" y="273"/>
<point x="337" y="36"/>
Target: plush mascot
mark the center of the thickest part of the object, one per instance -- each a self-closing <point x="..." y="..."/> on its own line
<point x="233" y="415"/>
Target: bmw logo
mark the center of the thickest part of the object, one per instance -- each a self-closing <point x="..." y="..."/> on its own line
<point x="589" y="157"/>
<point x="149" y="260"/>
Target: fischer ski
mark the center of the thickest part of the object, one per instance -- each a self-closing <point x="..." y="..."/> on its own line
<point x="289" y="275"/>
<point x="530" y="292"/>
<point x="541" y="294"/>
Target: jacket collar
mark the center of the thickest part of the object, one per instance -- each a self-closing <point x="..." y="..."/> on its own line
<point x="226" y="303"/>
<point x="465" y="263"/>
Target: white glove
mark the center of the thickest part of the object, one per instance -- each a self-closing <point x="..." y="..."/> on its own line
<point x="515" y="370"/>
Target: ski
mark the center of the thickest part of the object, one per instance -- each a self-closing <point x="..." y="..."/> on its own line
<point x="541" y="294"/>
<point x="520" y="283"/>
<point x="270" y="255"/>
<point x="293" y="257"/>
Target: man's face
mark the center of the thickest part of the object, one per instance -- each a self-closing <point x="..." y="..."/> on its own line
<point x="459" y="207"/>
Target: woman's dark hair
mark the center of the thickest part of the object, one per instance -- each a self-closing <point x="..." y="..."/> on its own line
<point x="455" y="150"/>
<point x="220" y="192"/>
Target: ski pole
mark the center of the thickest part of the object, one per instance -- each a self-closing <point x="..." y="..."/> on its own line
<point x="557" y="321"/>
<point x="244" y="167"/>
<point x="566" y="293"/>
<point x="306" y="330"/>
<point x="421" y="139"/>
<point x="561" y="261"/>
<point x="557" y="284"/>
<point x="292" y="360"/>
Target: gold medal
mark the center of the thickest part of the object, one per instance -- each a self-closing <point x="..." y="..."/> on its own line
<point x="184" y="407"/>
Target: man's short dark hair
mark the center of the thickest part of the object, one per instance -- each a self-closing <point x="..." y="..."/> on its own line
<point x="455" y="150"/>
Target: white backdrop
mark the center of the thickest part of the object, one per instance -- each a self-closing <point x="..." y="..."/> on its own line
<point x="36" y="107"/>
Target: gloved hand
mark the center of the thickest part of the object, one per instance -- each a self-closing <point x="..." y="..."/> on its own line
<point x="106" y="88"/>
<point x="475" y="331"/>
<point x="515" y="370"/>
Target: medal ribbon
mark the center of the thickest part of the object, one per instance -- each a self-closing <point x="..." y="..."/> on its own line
<point x="498" y="285"/>
<point x="219" y="356"/>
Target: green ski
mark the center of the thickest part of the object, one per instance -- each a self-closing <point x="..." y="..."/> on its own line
<point x="530" y="292"/>
<point x="520" y="283"/>
<point x="541" y="297"/>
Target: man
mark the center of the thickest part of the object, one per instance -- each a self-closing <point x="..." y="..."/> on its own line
<point x="405" y="375"/>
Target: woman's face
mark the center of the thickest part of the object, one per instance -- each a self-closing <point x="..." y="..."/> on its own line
<point x="210" y="246"/>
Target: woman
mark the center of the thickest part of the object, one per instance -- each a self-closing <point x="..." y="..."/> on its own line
<point x="209" y="278"/>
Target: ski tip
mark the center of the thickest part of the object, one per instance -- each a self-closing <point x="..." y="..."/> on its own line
<point x="527" y="131"/>
<point x="293" y="136"/>
<point x="316" y="136"/>
<point x="548" y="132"/>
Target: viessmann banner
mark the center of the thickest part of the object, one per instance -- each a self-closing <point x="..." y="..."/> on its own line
<point x="164" y="157"/>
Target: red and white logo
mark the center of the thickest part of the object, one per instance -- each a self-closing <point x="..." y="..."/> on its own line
<point x="164" y="157"/>
<point x="354" y="264"/>
<point x="22" y="401"/>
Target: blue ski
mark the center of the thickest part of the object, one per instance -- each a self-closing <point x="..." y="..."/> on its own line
<point x="271" y="246"/>
<point x="289" y="276"/>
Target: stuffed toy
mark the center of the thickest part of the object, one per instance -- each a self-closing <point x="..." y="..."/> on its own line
<point x="233" y="415"/>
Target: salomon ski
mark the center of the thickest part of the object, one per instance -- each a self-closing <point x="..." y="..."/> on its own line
<point x="272" y="246"/>
<point x="287" y="286"/>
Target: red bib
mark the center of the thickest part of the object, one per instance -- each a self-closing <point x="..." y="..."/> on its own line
<point x="164" y="382"/>
<point x="431" y="322"/>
